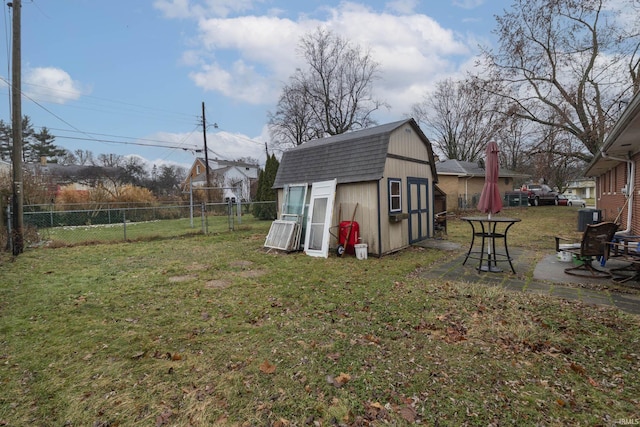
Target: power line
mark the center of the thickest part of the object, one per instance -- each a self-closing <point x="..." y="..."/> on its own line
<point x="90" y="135"/>
<point x="109" y="106"/>
<point x="109" y="135"/>
<point x="112" y="141"/>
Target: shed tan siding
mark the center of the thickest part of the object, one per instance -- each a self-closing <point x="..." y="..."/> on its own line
<point x="412" y="162"/>
<point x="364" y="194"/>
<point x="404" y="142"/>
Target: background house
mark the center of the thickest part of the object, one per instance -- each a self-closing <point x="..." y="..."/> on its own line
<point x="239" y="178"/>
<point x="388" y="171"/>
<point x="615" y="169"/>
<point x="463" y="181"/>
<point x="585" y="188"/>
<point x="52" y="177"/>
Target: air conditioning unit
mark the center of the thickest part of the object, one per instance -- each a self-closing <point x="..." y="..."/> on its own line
<point x="624" y="190"/>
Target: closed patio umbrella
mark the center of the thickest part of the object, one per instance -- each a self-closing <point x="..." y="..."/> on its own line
<point x="490" y="200"/>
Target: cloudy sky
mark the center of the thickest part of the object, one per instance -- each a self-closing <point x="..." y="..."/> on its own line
<point x="130" y="77"/>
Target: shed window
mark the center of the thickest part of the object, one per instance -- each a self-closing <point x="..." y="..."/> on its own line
<point x="395" y="195"/>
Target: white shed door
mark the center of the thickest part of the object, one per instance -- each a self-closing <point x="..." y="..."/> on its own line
<point x="316" y="241"/>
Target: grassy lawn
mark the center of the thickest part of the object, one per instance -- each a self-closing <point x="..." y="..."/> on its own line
<point x="215" y="330"/>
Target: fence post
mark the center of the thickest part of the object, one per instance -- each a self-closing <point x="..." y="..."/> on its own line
<point x="230" y="214"/>
<point x="9" y="232"/>
<point x="239" y="211"/>
<point x="203" y="216"/>
<point x="124" y="223"/>
<point x="191" y="201"/>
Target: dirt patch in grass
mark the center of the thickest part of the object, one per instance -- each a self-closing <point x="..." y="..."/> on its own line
<point x="196" y="267"/>
<point x="184" y="278"/>
<point x="217" y="284"/>
<point x="251" y="273"/>
<point x="240" y="264"/>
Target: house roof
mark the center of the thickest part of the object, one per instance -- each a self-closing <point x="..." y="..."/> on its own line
<point x="622" y="142"/>
<point x="73" y="171"/>
<point x="357" y="156"/>
<point x="227" y="163"/>
<point x="470" y="169"/>
<point x="218" y="172"/>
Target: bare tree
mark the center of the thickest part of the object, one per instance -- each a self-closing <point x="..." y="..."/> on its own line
<point x="292" y="122"/>
<point x="578" y="58"/>
<point x="84" y="157"/>
<point x="110" y="160"/>
<point x="332" y="96"/>
<point x="552" y="158"/>
<point x="516" y="137"/>
<point x="461" y="117"/>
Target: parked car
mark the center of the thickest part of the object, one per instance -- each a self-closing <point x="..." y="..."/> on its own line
<point x="573" y="200"/>
<point x="562" y="200"/>
<point x="536" y="194"/>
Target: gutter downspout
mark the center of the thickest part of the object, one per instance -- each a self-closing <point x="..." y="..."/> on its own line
<point x="631" y="171"/>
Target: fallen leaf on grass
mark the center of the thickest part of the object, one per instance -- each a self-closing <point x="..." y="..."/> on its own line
<point x="163" y="418"/>
<point x="577" y="368"/>
<point x="372" y="339"/>
<point x="455" y="334"/>
<point x="267" y="367"/>
<point x="138" y="355"/>
<point x="408" y="414"/>
<point x="333" y="356"/>
<point x="340" y="380"/>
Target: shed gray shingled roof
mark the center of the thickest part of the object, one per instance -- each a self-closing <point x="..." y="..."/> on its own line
<point x="357" y="156"/>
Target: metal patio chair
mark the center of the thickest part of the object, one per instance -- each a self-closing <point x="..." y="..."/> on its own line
<point x="594" y="245"/>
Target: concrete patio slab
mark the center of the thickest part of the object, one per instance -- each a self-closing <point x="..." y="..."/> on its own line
<point x="544" y="276"/>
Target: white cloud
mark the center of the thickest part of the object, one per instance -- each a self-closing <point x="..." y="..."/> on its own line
<point x="240" y="82"/>
<point x="51" y="84"/>
<point x="222" y="144"/>
<point x="174" y="8"/>
<point x="413" y="51"/>
<point x="158" y="162"/>
<point x="248" y="57"/>
<point x="266" y="40"/>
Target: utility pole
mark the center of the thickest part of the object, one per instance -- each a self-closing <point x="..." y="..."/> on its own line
<point x="206" y="152"/>
<point x="16" y="106"/>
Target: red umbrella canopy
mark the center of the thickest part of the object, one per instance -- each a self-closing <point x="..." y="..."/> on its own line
<point x="490" y="200"/>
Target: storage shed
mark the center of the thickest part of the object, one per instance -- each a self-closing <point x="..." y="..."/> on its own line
<point x="385" y="174"/>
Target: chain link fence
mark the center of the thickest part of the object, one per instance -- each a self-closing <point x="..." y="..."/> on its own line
<point x="55" y="226"/>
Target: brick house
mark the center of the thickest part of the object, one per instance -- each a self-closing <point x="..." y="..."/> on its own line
<point x="615" y="169"/>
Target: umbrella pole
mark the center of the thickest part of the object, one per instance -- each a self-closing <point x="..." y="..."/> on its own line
<point x="490" y="232"/>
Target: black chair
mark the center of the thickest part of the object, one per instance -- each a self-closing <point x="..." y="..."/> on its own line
<point x="594" y="244"/>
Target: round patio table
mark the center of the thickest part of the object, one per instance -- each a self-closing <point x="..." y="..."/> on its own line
<point x="488" y="230"/>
